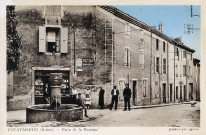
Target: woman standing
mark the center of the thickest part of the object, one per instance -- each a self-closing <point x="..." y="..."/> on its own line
<point x="101" y="98"/>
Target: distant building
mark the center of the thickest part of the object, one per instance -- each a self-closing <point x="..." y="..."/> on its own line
<point x="100" y="46"/>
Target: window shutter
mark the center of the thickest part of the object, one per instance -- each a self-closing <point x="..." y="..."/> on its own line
<point x="64" y="40"/>
<point x="141" y="58"/>
<point x="129" y="57"/>
<point x="42" y="39"/>
<point x="125" y="56"/>
<point x="155" y="64"/>
<point x="10" y="84"/>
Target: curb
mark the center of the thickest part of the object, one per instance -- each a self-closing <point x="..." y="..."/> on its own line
<point x="153" y="106"/>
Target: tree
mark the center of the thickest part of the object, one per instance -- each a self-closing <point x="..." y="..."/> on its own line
<point x="13" y="40"/>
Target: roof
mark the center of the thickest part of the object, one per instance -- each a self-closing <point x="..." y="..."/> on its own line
<point x="143" y="25"/>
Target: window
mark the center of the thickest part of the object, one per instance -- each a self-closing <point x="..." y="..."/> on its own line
<point x="191" y="56"/>
<point x="145" y="87"/>
<point x="176" y="92"/>
<point x="184" y="70"/>
<point x="53" y="15"/>
<point x="177" y="53"/>
<point x="184" y="54"/>
<point x="157" y="45"/>
<point x="164" y="66"/>
<point x="141" y="58"/>
<point x="157" y="65"/>
<point x="164" y="47"/>
<point x="127" y="30"/>
<point x="53" y="39"/>
<point x="141" y="35"/>
<point x="176" y="71"/>
<point x="127" y="57"/>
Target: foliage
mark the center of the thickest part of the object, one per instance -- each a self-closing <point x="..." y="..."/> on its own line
<point x="13" y="40"/>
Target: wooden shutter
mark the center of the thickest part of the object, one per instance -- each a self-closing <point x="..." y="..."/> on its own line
<point x="129" y="57"/>
<point x="10" y="85"/>
<point x="49" y="10"/>
<point x="155" y="64"/>
<point x="64" y="40"/>
<point x="141" y="58"/>
<point x="42" y="39"/>
<point x="56" y="10"/>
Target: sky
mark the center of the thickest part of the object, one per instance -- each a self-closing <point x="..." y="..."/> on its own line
<point x="175" y="20"/>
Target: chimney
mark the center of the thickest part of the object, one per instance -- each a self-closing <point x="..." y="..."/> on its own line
<point x="179" y="40"/>
<point x="160" y="27"/>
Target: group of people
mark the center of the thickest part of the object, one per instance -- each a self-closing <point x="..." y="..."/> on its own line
<point x="78" y="99"/>
<point x="115" y="95"/>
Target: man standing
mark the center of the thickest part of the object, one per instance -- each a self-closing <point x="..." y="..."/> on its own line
<point x="127" y="96"/>
<point x="115" y="94"/>
<point x="101" y="97"/>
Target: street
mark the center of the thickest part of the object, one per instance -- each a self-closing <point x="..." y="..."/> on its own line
<point x="182" y="115"/>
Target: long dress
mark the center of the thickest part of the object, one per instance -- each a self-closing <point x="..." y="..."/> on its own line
<point x="101" y="98"/>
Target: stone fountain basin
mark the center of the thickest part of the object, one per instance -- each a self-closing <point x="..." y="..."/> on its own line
<point x="42" y="113"/>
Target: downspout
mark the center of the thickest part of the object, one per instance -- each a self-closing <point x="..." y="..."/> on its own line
<point x="174" y="73"/>
<point x="167" y="71"/>
<point x="151" y="71"/>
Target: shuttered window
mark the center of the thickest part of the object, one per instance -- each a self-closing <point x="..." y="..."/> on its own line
<point x="164" y="65"/>
<point x="145" y="87"/>
<point x="127" y="57"/>
<point x="53" y="39"/>
<point x="64" y="40"/>
<point x="42" y="39"/>
<point x="141" y="58"/>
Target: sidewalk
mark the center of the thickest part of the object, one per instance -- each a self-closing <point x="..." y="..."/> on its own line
<point x="159" y="105"/>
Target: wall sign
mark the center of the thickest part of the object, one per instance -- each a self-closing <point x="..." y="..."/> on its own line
<point x="87" y="62"/>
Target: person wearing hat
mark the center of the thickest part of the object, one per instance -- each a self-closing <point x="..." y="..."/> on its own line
<point x="115" y="94"/>
<point x="127" y="95"/>
<point x="79" y="102"/>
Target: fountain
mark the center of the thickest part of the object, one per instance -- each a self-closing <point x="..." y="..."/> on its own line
<point x="55" y="110"/>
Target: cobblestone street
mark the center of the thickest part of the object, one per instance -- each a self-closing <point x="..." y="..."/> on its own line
<point x="182" y="115"/>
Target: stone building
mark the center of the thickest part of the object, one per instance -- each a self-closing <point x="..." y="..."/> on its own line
<point x="98" y="46"/>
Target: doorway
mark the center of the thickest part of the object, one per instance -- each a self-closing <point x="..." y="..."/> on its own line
<point x="185" y="93"/>
<point x="191" y="91"/>
<point x="164" y="92"/>
<point x="180" y="93"/>
<point x="171" y="92"/>
<point x="134" y="91"/>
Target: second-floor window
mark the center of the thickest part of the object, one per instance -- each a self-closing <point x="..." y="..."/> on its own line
<point x="184" y="70"/>
<point x="164" y="48"/>
<point x="184" y="54"/>
<point x="141" y="58"/>
<point x="157" y="64"/>
<point x="53" y="39"/>
<point x="157" y="45"/>
<point x="164" y="66"/>
<point x="127" y="30"/>
<point x="127" y="57"/>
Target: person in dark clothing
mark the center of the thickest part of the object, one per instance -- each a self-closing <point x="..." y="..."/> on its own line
<point x="79" y="102"/>
<point x="47" y="92"/>
<point x="115" y="94"/>
<point x="101" y="98"/>
<point x="127" y="95"/>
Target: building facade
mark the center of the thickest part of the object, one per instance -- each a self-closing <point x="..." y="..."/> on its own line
<point x="96" y="46"/>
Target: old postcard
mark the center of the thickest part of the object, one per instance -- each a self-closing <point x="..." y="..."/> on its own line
<point x="103" y="68"/>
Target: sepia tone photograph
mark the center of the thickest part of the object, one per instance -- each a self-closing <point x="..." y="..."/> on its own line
<point x="103" y="65"/>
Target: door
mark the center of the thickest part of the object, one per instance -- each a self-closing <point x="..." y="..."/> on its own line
<point x="134" y="91"/>
<point x="191" y="91"/>
<point x="164" y="92"/>
<point x="171" y="92"/>
<point x="180" y="93"/>
<point x="185" y="93"/>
